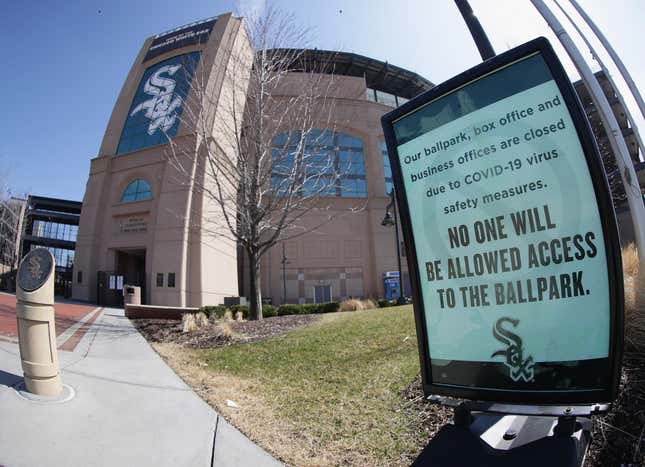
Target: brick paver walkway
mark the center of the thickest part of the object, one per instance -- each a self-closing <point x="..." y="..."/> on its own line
<point x="72" y="321"/>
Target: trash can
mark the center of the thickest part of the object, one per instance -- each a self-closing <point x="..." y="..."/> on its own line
<point x="131" y="295"/>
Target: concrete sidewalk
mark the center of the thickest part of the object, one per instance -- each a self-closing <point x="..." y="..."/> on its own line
<point x="129" y="408"/>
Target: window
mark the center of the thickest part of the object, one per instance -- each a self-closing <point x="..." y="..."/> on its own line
<point x="157" y="105"/>
<point x="79" y="277"/>
<point x="322" y="293"/>
<point x="137" y="190"/>
<point x="171" y="279"/>
<point x="385" y="98"/>
<point x="160" y="279"/>
<point x="387" y="169"/>
<point x="56" y="230"/>
<point x="335" y="158"/>
<point x="63" y="257"/>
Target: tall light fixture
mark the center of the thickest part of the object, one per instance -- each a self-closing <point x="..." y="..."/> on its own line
<point x="392" y="220"/>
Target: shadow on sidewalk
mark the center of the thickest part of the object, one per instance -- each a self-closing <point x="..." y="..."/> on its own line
<point x="9" y="379"/>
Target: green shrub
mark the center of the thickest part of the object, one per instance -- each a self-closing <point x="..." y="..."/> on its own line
<point x="269" y="311"/>
<point x="384" y="303"/>
<point x="328" y="307"/>
<point x="288" y="309"/>
<point x="243" y="308"/>
<point x="309" y="308"/>
<point x="214" y="310"/>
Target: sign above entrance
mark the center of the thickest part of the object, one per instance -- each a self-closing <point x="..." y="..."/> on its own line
<point x="133" y="224"/>
<point x="191" y="34"/>
<point x="511" y="237"/>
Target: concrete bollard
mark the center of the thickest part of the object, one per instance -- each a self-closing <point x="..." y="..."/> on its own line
<point x="36" y="326"/>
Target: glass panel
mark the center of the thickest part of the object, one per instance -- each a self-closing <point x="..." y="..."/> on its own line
<point x="351" y="163"/>
<point x="386" y="98"/>
<point x="323" y="158"/>
<point x="387" y="169"/>
<point x="348" y="141"/>
<point x="137" y="190"/>
<point x="320" y="138"/>
<point x="131" y="189"/>
<point x="353" y="188"/>
<point x="322" y="186"/>
<point x="322" y="162"/>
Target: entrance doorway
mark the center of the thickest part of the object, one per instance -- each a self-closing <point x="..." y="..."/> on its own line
<point x="131" y="264"/>
<point x="130" y="269"/>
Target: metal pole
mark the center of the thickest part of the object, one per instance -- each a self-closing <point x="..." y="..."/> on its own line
<point x="474" y="26"/>
<point x="614" y="56"/>
<point x="398" y="253"/>
<point x="614" y="134"/>
<point x="284" y="275"/>
<point x="609" y="78"/>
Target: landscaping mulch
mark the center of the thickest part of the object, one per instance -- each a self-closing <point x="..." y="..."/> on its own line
<point x="618" y="438"/>
<point x="170" y="331"/>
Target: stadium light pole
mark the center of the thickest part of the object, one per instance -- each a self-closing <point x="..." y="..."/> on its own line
<point x="614" y="56"/>
<point x="614" y="134"/>
<point x="605" y="70"/>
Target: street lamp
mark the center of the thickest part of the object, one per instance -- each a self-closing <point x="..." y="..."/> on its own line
<point x="391" y="220"/>
<point x="284" y="275"/>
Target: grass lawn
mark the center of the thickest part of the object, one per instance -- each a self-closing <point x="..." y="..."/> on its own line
<point x="328" y="393"/>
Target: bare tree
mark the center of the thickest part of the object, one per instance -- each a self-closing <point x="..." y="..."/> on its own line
<point x="10" y="223"/>
<point x="258" y="158"/>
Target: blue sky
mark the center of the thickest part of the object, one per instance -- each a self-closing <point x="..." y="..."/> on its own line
<point x="65" y="61"/>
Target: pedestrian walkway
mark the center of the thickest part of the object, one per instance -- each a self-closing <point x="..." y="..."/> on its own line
<point x="129" y="408"/>
<point x="73" y="319"/>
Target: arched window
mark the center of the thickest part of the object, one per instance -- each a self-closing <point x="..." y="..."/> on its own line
<point x="338" y="157"/>
<point x="137" y="190"/>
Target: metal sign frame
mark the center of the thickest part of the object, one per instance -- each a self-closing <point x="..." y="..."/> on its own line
<point x="608" y="222"/>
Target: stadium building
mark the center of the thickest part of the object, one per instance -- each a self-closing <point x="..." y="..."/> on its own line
<point x="140" y="225"/>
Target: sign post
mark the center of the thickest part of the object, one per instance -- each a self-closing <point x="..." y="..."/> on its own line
<point x="510" y="234"/>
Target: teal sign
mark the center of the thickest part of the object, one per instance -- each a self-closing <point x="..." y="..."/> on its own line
<point x="507" y="212"/>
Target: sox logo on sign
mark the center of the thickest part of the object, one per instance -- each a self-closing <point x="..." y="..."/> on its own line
<point x="162" y="108"/>
<point x="519" y="368"/>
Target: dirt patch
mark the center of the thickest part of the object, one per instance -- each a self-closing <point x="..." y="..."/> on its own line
<point x="430" y="417"/>
<point x="213" y="336"/>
